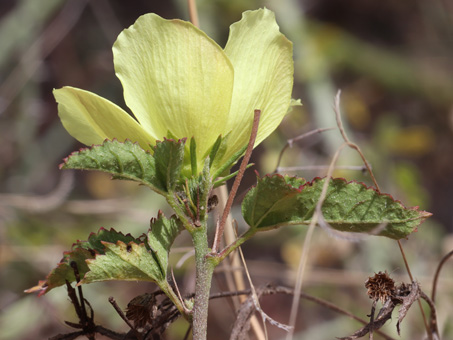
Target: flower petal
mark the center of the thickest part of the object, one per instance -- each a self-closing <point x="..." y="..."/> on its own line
<point x="262" y="58"/>
<point x="91" y="119"/>
<point x="175" y="79"/>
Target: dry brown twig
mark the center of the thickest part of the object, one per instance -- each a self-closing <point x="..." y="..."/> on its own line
<point x="290" y="142"/>
<point x="193" y="13"/>
<point x="234" y="278"/>
<point x="245" y="160"/>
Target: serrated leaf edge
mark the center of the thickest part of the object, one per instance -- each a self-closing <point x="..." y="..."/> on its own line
<point x="422" y="215"/>
<point x="367" y="187"/>
<point x="151" y="252"/>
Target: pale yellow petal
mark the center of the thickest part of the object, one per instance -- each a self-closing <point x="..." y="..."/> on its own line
<point x="262" y="58"/>
<point x="91" y="119"/>
<point x="175" y="79"/>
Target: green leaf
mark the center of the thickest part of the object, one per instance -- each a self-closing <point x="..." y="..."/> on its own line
<point x="136" y="261"/>
<point x="215" y="148"/>
<point x="128" y="160"/>
<point x="349" y="206"/>
<point x="110" y="255"/>
<point x="123" y="160"/>
<point x="94" y="242"/>
<point x="121" y="261"/>
<point x="81" y="251"/>
<point x="193" y="156"/>
<point x="169" y="159"/>
<point x="225" y="167"/>
<point x="160" y="238"/>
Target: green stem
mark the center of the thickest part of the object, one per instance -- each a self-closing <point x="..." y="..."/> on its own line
<point x="168" y="290"/>
<point x="204" y="271"/>
<point x="233" y="246"/>
<point x="171" y="200"/>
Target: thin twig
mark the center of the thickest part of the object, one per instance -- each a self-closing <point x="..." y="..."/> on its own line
<point x="193" y="14"/>
<point x="290" y="142"/>
<point x="255" y="298"/>
<point x="433" y="322"/>
<point x="178" y="292"/>
<point x="405" y="260"/>
<point x="337" y="111"/>
<point x="186" y="336"/>
<point x="221" y="225"/>
<point x="73" y="296"/>
<point x="373" y="310"/>
<point x="98" y="329"/>
<point x="109" y="333"/>
<point x="79" y="288"/>
<point x="68" y="336"/>
<point x="234" y="278"/>
<point x="436" y="276"/>
<point x="304" y="256"/>
<point x="254" y="295"/>
<point x="122" y="316"/>
<point x="321" y="167"/>
<point x="300" y="275"/>
<point x="406" y="264"/>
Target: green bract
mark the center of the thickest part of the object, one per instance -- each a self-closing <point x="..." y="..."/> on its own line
<point x="179" y="83"/>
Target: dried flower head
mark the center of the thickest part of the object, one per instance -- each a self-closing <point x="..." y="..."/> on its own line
<point x="380" y="287"/>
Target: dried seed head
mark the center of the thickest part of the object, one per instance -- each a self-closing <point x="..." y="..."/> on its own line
<point x="380" y="287"/>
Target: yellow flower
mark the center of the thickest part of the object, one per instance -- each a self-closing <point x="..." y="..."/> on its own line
<point x="179" y="83"/>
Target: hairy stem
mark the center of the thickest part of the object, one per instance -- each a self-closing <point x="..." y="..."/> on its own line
<point x="204" y="271"/>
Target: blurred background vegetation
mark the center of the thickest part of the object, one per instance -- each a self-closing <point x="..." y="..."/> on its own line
<point x="393" y="62"/>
